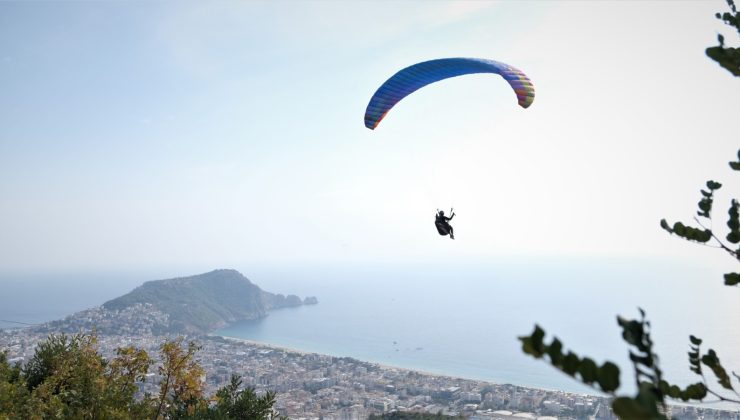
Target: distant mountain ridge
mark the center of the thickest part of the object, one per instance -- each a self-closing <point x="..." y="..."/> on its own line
<point x="204" y="302"/>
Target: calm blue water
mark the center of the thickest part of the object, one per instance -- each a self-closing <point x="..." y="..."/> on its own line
<point x="38" y="298"/>
<point x="459" y="320"/>
<point x="464" y="320"/>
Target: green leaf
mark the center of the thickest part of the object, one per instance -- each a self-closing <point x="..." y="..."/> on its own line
<point x="694" y="356"/>
<point x="705" y="204"/>
<point x="588" y="370"/>
<point x="643" y="360"/>
<point x="697" y="391"/>
<point x="555" y="351"/>
<point x="732" y="279"/>
<point x="713" y="185"/>
<point x="628" y="408"/>
<point x="665" y="226"/>
<point x="674" y="391"/>
<point x="733" y="222"/>
<point x="679" y="229"/>
<point x="571" y="363"/>
<point x="711" y="360"/>
<point x="728" y="58"/>
<point x="692" y="233"/>
<point x="632" y="332"/>
<point x="703" y="235"/>
<point x="609" y="377"/>
<point x="533" y="345"/>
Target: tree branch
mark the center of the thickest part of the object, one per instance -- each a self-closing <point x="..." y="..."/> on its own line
<point x="721" y="397"/>
<point x="721" y="244"/>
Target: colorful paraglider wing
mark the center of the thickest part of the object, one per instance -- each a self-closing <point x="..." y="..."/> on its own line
<point x="419" y="75"/>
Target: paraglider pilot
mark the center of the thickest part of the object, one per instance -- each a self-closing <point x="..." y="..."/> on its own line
<point x="442" y="223"/>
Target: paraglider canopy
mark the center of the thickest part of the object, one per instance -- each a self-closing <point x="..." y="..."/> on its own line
<point x="421" y="74"/>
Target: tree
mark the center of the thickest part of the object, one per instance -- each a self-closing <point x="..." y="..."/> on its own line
<point x="653" y="390"/>
<point x="124" y="374"/>
<point x="68" y="378"/>
<point x="13" y="393"/>
<point x="181" y="390"/>
<point x="235" y="403"/>
<point x="727" y="57"/>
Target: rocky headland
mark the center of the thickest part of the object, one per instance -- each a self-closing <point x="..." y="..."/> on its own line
<point x="196" y="305"/>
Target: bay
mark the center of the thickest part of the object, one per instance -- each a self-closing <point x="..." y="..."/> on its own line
<point x="458" y="319"/>
<point x="464" y="319"/>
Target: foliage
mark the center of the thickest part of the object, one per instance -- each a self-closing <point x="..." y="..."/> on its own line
<point x="706" y="236"/>
<point x="606" y="375"/>
<point x="727" y="57"/>
<point x="12" y="390"/>
<point x="68" y="378"/>
<point x="233" y="403"/>
<point x="181" y="390"/>
<point x="652" y="390"/>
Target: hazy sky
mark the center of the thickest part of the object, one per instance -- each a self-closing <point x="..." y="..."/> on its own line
<point x="220" y="134"/>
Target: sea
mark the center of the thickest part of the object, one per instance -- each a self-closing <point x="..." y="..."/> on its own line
<point x="452" y="319"/>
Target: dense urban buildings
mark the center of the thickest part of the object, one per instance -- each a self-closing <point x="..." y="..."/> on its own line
<point x="315" y="386"/>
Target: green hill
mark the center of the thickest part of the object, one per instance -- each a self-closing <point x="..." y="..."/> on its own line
<point x="205" y="302"/>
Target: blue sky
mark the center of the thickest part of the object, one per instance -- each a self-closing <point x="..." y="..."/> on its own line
<point x="184" y="134"/>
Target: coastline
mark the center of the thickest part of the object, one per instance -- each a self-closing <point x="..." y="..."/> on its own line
<point x="312" y="383"/>
<point x="385" y="366"/>
<point x="720" y="406"/>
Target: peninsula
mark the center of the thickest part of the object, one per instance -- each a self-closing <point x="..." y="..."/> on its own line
<point x="196" y="305"/>
<point x="308" y="385"/>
